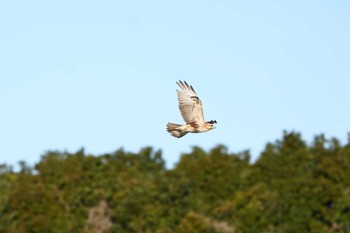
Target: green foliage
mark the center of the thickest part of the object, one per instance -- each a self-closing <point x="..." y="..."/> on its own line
<point x="292" y="187"/>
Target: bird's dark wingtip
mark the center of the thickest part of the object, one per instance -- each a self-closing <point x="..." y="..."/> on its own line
<point x="213" y="122"/>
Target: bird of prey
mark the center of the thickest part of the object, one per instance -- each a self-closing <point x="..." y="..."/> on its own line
<point x="192" y="112"/>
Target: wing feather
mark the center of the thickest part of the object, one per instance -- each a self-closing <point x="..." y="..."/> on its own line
<point x="189" y="104"/>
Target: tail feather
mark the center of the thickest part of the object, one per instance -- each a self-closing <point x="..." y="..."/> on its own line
<point x="175" y="130"/>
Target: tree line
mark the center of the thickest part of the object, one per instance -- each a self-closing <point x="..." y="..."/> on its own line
<point x="292" y="187"/>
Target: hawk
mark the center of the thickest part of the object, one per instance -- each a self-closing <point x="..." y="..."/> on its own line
<point x="192" y="112"/>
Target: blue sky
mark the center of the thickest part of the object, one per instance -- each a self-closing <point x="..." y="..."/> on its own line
<point x="101" y="74"/>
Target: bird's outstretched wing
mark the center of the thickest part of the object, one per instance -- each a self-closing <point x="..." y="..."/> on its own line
<point x="189" y="103"/>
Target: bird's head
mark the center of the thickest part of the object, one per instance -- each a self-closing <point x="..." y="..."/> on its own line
<point x="211" y="124"/>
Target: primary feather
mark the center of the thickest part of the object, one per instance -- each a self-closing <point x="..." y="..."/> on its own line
<point x="189" y="104"/>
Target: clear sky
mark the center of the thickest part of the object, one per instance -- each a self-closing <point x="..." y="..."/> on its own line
<point x="101" y="74"/>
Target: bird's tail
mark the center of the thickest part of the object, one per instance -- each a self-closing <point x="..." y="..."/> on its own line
<point x="175" y="130"/>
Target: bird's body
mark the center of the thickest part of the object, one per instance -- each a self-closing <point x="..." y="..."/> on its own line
<point x="192" y="112"/>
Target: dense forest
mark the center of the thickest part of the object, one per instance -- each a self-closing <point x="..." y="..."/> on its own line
<point x="293" y="186"/>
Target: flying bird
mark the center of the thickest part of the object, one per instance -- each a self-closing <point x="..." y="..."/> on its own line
<point x="192" y="112"/>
